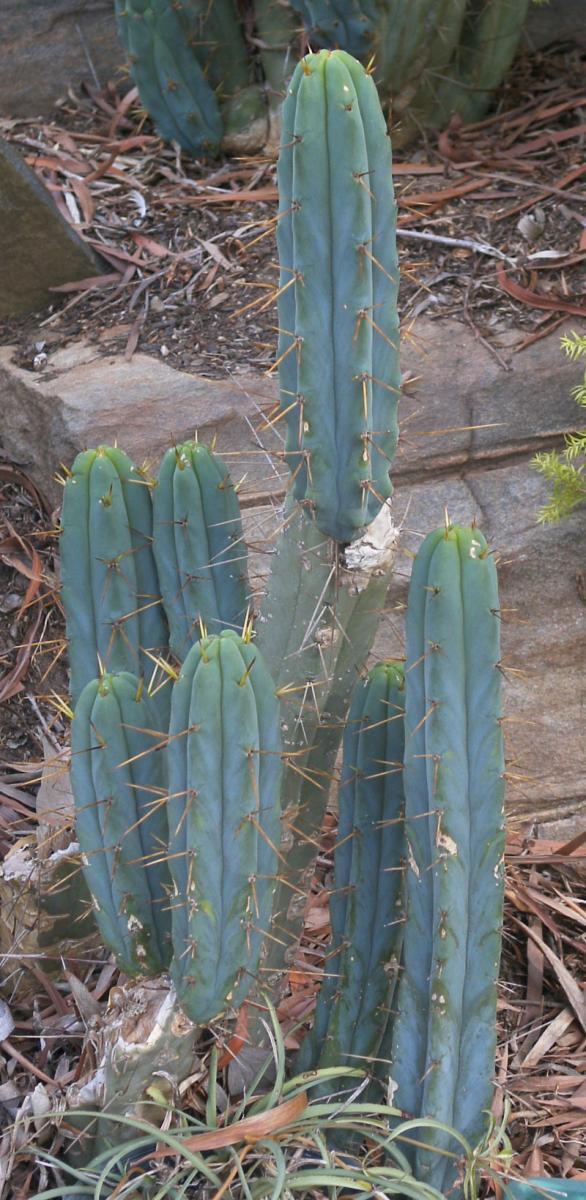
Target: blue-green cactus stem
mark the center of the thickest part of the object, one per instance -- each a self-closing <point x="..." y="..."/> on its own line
<point x="120" y="820"/>
<point x="366" y="904"/>
<point x="339" y="338"/>
<point x="489" y="42"/>
<point x="110" y="588"/>
<point x="198" y="545"/>
<point x="213" y="32"/>
<point x="170" y="81"/>
<point x="444" y="1036"/>
<point x="316" y="629"/>
<point x="341" y="24"/>
<point x="224" y="820"/>
<point x="278" y="35"/>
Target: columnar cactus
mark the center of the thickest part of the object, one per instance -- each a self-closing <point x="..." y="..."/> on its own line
<point x="444" y="1037"/>
<point x="200" y="64"/>
<point x="110" y="588"/>
<point x="170" y="81"/>
<point x="184" y="825"/>
<point x="338" y="349"/>
<point x="198" y="545"/>
<point x="213" y="32"/>
<point x="224" y="820"/>
<point x="366" y="903"/>
<point x="120" y="819"/>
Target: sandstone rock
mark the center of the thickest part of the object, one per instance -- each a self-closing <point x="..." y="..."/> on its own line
<point x="81" y="399"/>
<point x="49" y="46"/>
<point x="84" y="399"/>
<point x="38" y="248"/>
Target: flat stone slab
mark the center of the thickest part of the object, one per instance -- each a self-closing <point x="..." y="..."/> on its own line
<point x="463" y="408"/>
<point x="38" y="248"/>
<point x="85" y="400"/>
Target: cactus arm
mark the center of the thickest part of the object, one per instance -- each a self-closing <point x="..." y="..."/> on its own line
<point x="544" y="1189"/>
<point x="277" y="29"/>
<point x="170" y="81"/>
<point x="106" y="558"/>
<point x="217" y="816"/>
<point x="213" y="32"/>
<point x="490" y="38"/>
<point x="345" y="24"/>
<point x="198" y="545"/>
<point x="121" y="822"/>
<point x="486" y="823"/>
<point x="366" y="905"/>
<point x="334" y="132"/>
<point x="409" y="1031"/>
<point x="444" y="1035"/>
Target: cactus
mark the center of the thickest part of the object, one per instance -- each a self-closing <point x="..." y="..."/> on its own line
<point x="276" y="27"/>
<point x="170" y="81"/>
<point x="120" y="820"/>
<point x="213" y="32"/>
<point x="444" y="1035"/>
<point x="198" y="545"/>
<point x="210" y="813"/>
<point x="339" y="338"/>
<point x="110" y="589"/>
<point x="458" y="72"/>
<point x="366" y="903"/>
<point x="342" y="24"/>
<point x="224" y="820"/>
<point x="316" y="628"/>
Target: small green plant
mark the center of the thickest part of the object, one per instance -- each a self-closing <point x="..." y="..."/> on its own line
<point x="566" y="471"/>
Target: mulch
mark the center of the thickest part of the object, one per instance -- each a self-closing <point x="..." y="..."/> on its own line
<point x="492" y="232"/>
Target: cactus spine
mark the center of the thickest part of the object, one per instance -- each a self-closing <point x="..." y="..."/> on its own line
<point x="110" y="588"/>
<point x="198" y="545"/>
<point x="339" y="273"/>
<point x="445" y="1033"/>
<point x="366" y="905"/>
<point x="120" y="820"/>
<point x="224" y="820"/>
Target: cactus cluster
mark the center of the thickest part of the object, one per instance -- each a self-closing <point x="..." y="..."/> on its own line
<point x="214" y="72"/>
<point x="196" y="843"/>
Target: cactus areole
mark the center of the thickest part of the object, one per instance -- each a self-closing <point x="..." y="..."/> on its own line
<point x="338" y="352"/>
